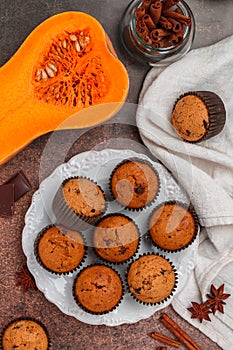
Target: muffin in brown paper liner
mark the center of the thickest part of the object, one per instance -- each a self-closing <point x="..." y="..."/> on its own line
<point x="74" y="211"/>
<point x="151" y="279"/>
<point x="137" y="190"/>
<point x="118" y="239"/>
<point x="173" y="226"/>
<point x="23" y="329"/>
<point x="198" y="116"/>
<point x="98" y="289"/>
<point x="60" y="250"/>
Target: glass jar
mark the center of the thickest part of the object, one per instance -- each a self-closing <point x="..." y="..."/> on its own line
<point x="145" y="53"/>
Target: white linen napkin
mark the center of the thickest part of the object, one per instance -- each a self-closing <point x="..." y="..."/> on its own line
<point x="205" y="170"/>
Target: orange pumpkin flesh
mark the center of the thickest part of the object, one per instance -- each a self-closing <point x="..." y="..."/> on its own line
<point x="64" y="68"/>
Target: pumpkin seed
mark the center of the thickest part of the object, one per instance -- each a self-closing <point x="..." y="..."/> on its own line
<point x="77" y="46"/>
<point x="49" y="72"/>
<point x="73" y="37"/>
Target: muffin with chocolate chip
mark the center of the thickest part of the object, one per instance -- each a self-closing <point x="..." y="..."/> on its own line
<point x="173" y="226"/>
<point x="198" y="115"/>
<point x="78" y="202"/>
<point x="151" y="279"/>
<point x="134" y="183"/>
<point x="59" y="250"/>
<point x="25" y="334"/>
<point x="98" y="289"/>
<point x="116" y="238"/>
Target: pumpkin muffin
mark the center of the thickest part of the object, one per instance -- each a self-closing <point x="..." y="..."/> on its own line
<point x="198" y="115"/>
<point x="79" y="202"/>
<point x="151" y="279"/>
<point x="25" y="334"/>
<point x="172" y="226"/>
<point x="134" y="183"/>
<point x="116" y="238"/>
<point x="59" y="250"/>
<point x="98" y="289"/>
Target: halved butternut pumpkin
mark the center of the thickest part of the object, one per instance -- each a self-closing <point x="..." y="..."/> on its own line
<point x="64" y="68"/>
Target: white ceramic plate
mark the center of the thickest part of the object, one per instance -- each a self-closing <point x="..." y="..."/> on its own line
<point x="98" y="166"/>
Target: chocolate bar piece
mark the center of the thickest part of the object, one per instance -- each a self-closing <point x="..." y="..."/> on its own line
<point x="21" y="184"/>
<point x="6" y="200"/>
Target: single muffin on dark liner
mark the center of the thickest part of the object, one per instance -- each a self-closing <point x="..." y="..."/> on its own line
<point x="80" y="213"/>
<point x="141" y="285"/>
<point x="99" y="293"/>
<point x="25" y="322"/>
<point x="207" y="116"/>
<point x="141" y="185"/>
<point x="118" y="243"/>
<point x="176" y="238"/>
<point x="63" y="250"/>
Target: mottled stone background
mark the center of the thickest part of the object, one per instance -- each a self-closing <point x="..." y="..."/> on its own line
<point x="17" y="19"/>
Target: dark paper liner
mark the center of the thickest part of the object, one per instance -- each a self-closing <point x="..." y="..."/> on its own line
<point x="37" y="240"/>
<point x="189" y="208"/>
<point x="157" y="302"/>
<point x="66" y="216"/>
<point x="131" y="257"/>
<point x="91" y="312"/>
<point x="26" y="319"/>
<point x="216" y="112"/>
<point x="143" y="161"/>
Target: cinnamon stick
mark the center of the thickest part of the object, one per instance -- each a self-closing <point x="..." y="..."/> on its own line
<point x="167" y="4"/>
<point x="164" y="339"/>
<point x="176" y="26"/>
<point x="155" y="11"/>
<point x="157" y="34"/>
<point x="149" y="22"/>
<point x="147" y="40"/>
<point x="177" y="38"/>
<point x="161" y="348"/>
<point x="179" y="17"/>
<point x="178" y="332"/>
<point x="165" y="23"/>
<point x="146" y="4"/>
<point x="140" y="12"/>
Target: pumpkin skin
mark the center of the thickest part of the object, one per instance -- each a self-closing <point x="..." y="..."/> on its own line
<point x="87" y="82"/>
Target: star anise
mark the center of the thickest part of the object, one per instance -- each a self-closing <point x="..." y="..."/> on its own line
<point x="201" y="311"/>
<point x="218" y="297"/>
<point x="25" y="279"/>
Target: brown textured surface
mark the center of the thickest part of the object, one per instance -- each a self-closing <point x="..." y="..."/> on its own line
<point x="172" y="227"/>
<point x="18" y="18"/>
<point x="151" y="278"/>
<point x="98" y="289"/>
<point x="116" y="238"/>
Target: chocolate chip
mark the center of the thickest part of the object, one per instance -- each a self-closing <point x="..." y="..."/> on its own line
<point x="137" y="290"/>
<point x="188" y="132"/>
<point x="6" y="200"/>
<point x="140" y="189"/>
<point x="21" y="184"/>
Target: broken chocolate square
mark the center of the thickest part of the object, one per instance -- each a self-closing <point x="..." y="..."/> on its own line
<point x="21" y="184"/>
<point x="6" y="200"/>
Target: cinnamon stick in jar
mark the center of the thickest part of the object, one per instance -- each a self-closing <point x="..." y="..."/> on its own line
<point x="164" y="22"/>
<point x="158" y="34"/>
<point x="140" y="12"/>
<point x="177" y="38"/>
<point x="167" y="4"/>
<point x="149" y="22"/>
<point x="176" y="26"/>
<point x="179" y="17"/>
<point x="146" y="5"/>
<point x="155" y="11"/>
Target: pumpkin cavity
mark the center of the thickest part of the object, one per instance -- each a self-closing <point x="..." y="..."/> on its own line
<point x="70" y="74"/>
